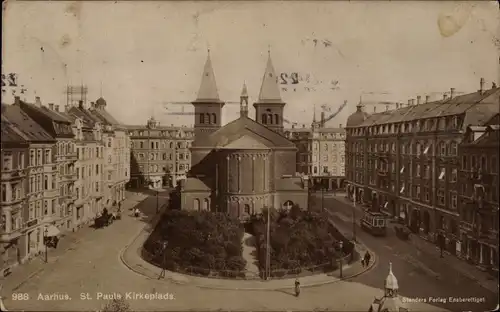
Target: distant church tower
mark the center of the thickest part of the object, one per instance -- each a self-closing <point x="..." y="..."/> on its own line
<point x="207" y="106"/>
<point x="244" y="102"/>
<point x="269" y="108"/>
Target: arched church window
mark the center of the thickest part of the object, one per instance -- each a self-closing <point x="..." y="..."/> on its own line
<point x="276" y="119"/>
<point x="202" y="118"/>
<point x="270" y="118"/>
<point x="264" y="119"/>
<point x="214" y="118"/>
<point x="196" y="204"/>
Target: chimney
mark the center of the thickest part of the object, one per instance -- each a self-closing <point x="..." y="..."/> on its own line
<point x="80" y="104"/>
<point x="418" y="99"/>
<point x="51" y="106"/>
<point x="293" y="126"/>
<point x="38" y="102"/>
<point x="322" y="119"/>
<point x="444" y="96"/>
<point x="452" y="92"/>
<point x="57" y="108"/>
<point x="481" y="86"/>
<point x="427" y="98"/>
<point x="387" y="108"/>
<point x="493" y="85"/>
<point x="303" y="126"/>
<point x="374" y="109"/>
<point x="17" y="100"/>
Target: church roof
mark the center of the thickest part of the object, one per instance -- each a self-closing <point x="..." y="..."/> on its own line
<point x="208" y="91"/>
<point x="241" y="126"/>
<point x="269" y="90"/>
<point x="195" y="184"/>
<point x="246" y="142"/>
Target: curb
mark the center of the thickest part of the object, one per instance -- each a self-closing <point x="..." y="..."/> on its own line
<point x="191" y="283"/>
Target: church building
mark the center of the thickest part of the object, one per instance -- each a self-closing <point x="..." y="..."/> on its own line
<point x="247" y="164"/>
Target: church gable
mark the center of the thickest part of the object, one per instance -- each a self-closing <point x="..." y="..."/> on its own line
<point x="247" y="141"/>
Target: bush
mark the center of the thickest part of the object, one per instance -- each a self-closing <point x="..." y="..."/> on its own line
<point x="117" y="305"/>
<point x="298" y="239"/>
<point x="200" y="242"/>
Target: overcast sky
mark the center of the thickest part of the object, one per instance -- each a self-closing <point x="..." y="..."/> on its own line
<point x="148" y="53"/>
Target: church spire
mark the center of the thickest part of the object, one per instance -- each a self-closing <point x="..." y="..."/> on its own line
<point x="314" y="113"/>
<point x="391" y="284"/>
<point x="269" y="91"/>
<point x="208" y="88"/>
<point x="244" y="101"/>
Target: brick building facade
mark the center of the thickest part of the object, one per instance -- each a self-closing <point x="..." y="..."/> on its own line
<point x="405" y="162"/>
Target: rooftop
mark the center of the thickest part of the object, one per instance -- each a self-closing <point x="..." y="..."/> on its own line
<point x="24" y="125"/>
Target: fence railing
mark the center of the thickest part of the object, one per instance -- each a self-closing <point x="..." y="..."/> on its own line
<point x="330" y="266"/>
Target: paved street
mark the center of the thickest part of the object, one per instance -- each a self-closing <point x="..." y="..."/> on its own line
<point x="421" y="273"/>
<point x="94" y="266"/>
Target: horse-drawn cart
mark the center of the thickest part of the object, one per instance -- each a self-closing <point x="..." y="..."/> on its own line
<point x="103" y="221"/>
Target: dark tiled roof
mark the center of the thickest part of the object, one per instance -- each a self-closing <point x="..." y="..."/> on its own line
<point x="24" y="125"/>
<point x="56" y="116"/>
<point x="478" y="107"/>
<point x="490" y="138"/>
<point x="236" y="128"/>
<point x="195" y="184"/>
<point x="159" y="128"/>
<point x="9" y="135"/>
<point x="88" y="121"/>
<point x="105" y="116"/>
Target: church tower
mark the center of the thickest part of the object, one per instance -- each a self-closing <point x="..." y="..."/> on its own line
<point x="269" y="108"/>
<point x="244" y="101"/>
<point x="207" y="106"/>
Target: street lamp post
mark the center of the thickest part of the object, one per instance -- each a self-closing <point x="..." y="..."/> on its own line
<point x="45" y="233"/>
<point x="341" y="244"/>
<point x="157" y="204"/>
<point x="164" y="260"/>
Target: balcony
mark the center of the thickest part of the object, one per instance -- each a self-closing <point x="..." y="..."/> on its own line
<point x="12" y="174"/>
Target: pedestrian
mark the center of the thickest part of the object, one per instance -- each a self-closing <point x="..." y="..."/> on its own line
<point x="297" y="287"/>
<point x="367" y="258"/>
<point x="136" y="212"/>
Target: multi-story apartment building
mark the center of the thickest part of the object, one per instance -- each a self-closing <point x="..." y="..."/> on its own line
<point x="59" y="127"/>
<point x="14" y="151"/>
<point x="320" y="153"/>
<point x="41" y="208"/>
<point x="160" y="155"/>
<point x="405" y="162"/>
<point x="89" y="165"/>
<point x="116" y="154"/>
<point x="478" y="194"/>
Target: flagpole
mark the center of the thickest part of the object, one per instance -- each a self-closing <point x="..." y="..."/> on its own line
<point x="354" y="218"/>
<point x="268" y="247"/>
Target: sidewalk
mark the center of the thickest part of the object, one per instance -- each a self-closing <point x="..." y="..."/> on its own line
<point x="70" y="241"/>
<point x="249" y="254"/>
<point x="131" y="257"/>
<point x="470" y="271"/>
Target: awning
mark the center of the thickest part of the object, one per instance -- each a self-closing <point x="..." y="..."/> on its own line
<point x="52" y="230"/>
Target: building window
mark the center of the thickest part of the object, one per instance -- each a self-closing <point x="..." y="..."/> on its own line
<point x="442" y="148"/>
<point x="453" y="197"/>
<point x="484" y="166"/>
<point x="426" y="194"/>
<point x="440" y="197"/>
<point x="45" y="207"/>
<point x="32" y="157"/>
<point x="454" y="149"/>
<point x="39" y="160"/>
<point x="46" y="182"/>
<point x="494" y="165"/>
<point x="442" y="174"/>
<point x="141" y="144"/>
<point x="418" y="170"/>
<point x="53" y="206"/>
<point x="464" y="162"/>
<point x="53" y="181"/>
<point x="453" y="175"/>
<point x="109" y="142"/>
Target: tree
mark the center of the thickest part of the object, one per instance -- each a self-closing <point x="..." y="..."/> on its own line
<point x="117" y="305"/>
